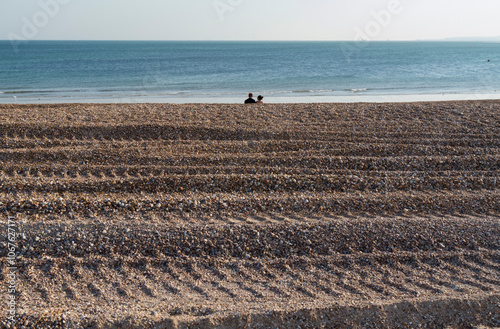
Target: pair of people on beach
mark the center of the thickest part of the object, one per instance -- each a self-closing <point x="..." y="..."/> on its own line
<point x="250" y="99"/>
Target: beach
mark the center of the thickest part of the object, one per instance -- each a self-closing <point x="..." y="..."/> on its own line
<point x="324" y="215"/>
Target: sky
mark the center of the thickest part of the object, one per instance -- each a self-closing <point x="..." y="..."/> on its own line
<point x="247" y="19"/>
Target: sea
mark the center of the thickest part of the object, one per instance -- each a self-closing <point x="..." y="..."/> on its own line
<point x="225" y="72"/>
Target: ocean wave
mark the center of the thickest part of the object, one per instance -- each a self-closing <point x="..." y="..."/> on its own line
<point x="17" y="92"/>
<point x="275" y="92"/>
<point x="118" y="89"/>
<point x="358" y="90"/>
<point x="14" y="92"/>
<point x="313" y="91"/>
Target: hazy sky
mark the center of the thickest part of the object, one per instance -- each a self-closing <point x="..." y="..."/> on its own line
<point x="247" y="19"/>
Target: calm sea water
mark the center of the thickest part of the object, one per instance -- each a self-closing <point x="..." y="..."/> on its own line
<point x="89" y="71"/>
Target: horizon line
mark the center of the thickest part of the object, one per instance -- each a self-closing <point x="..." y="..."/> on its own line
<point x="452" y="39"/>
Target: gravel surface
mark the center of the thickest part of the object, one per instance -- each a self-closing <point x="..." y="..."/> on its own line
<point x="231" y="216"/>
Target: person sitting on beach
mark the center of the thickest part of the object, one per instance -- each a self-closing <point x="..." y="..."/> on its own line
<point x="260" y="99"/>
<point x="250" y="99"/>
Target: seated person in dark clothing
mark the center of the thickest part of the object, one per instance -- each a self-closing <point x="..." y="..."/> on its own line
<point x="250" y="99"/>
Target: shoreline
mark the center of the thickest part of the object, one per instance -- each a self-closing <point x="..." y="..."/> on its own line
<point x="343" y="99"/>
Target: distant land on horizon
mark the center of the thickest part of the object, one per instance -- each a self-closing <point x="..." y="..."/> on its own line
<point x="493" y="39"/>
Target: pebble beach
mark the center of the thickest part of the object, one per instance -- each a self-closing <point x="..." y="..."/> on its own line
<point x="327" y="215"/>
